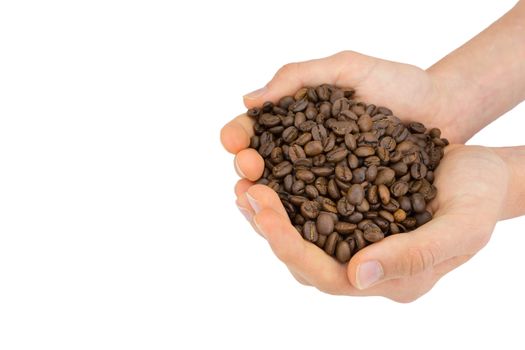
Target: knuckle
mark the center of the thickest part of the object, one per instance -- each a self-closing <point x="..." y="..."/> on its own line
<point x="287" y="70"/>
<point x="346" y="54"/>
<point x="421" y="258"/>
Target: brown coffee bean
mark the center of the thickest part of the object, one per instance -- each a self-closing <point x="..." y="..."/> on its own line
<point x="310" y="210"/>
<point x="365" y="123"/>
<point x="350" y="142"/>
<point x="418" y="171"/>
<point x="384" y="193"/>
<point x="344" y="207"/>
<point x="323" y="171"/>
<point x="331" y="242"/>
<point x="418" y="202"/>
<point x="364" y="151"/>
<point x="296" y="152"/>
<point x="325" y="224"/>
<point x="399" y="188"/>
<point x="355" y="194"/>
<point x="372" y="195"/>
<point x="310" y="231"/>
<point x="388" y="143"/>
<point x="343" y="252"/>
<point x="305" y="175"/>
<point x="359" y="175"/>
<point x="385" y="176"/>
<point x="290" y="134"/>
<point x="311" y="192"/>
<point x="313" y="148"/>
<point x="423" y="217"/>
<point x="343" y="173"/>
<point x="400" y="215"/>
<point x="345" y="228"/>
<point x="282" y="169"/>
<point x="336" y="155"/>
<point x="373" y="234"/>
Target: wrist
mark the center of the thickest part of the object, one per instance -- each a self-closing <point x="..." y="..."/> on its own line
<point x="514" y="160"/>
<point x="458" y="104"/>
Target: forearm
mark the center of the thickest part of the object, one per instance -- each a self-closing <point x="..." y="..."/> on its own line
<point x="484" y="78"/>
<point x="514" y="158"/>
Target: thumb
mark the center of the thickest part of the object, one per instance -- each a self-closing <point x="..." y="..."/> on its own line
<point x="409" y="254"/>
<point x="346" y="68"/>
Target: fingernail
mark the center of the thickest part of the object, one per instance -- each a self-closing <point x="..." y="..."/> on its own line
<point x="368" y="273"/>
<point x="237" y="168"/>
<point x="253" y="202"/>
<point x="258" y="228"/>
<point x="245" y="212"/>
<point x="256" y="94"/>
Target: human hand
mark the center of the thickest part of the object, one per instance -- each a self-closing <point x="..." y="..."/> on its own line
<point x="413" y="95"/>
<point x="472" y="184"/>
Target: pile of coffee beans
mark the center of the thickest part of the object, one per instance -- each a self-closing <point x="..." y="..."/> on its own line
<point x="348" y="173"/>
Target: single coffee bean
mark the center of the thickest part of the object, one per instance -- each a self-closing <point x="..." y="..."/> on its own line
<point x="355" y="194"/>
<point x="325" y="224"/>
<point x="336" y="155"/>
<point x="418" y="202"/>
<point x="311" y="192"/>
<point x="365" y="123"/>
<point x="323" y="171"/>
<point x="364" y="151"/>
<point x="343" y="252"/>
<point x="386" y="215"/>
<point x="282" y="169"/>
<point x="310" y="231"/>
<point x="418" y="171"/>
<point x="385" y="176"/>
<point x="359" y="175"/>
<point x="350" y="142"/>
<point x="305" y="175"/>
<point x="399" y="188"/>
<point x="313" y="148"/>
<point x="310" y="210"/>
<point x="331" y="242"/>
<point x="344" y="207"/>
<point x="345" y="228"/>
<point x="373" y="234"/>
<point x="343" y="173"/>
<point x="296" y="152"/>
<point x="400" y="215"/>
<point x="384" y="193"/>
<point x="423" y="217"/>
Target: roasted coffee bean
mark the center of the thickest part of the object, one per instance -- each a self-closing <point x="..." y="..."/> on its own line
<point x="310" y="231"/>
<point x="355" y="194"/>
<point x="319" y="133"/>
<point x="418" y="171"/>
<point x="325" y="224"/>
<point x="418" y="202"/>
<point x="423" y="217"/>
<point x="400" y="215"/>
<point x="372" y="194"/>
<point x="282" y="169"/>
<point x="290" y="134"/>
<point x="323" y="171"/>
<point x="344" y="207"/>
<point x="399" y="188"/>
<point x="336" y="155"/>
<point x="331" y="242"/>
<point x="310" y="210"/>
<point x="359" y="175"/>
<point x="388" y="143"/>
<point x="344" y="167"/>
<point x="385" y="176"/>
<point x="343" y="173"/>
<point x="305" y="175"/>
<point x="373" y="234"/>
<point x="345" y="228"/>
<point x="343" y="252"/>
<point x="350" y="142"/>
<point x="364" y="151"/>
<point x="384" y="193"/>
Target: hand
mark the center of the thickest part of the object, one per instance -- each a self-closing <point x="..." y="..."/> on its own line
<point x="472" y="184"/>
<point x="412" y="94"/>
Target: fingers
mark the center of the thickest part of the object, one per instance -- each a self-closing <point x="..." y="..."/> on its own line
<point x="304" y="258"/>
<point x="249" y="164"/>
<point x="242" y="186"/>
<point x="407" y="255"/>
<point x="293" y="76"/>
<point x="235" y="136"/>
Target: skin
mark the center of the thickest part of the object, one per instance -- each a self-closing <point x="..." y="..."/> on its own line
<point x="477" y="186"/>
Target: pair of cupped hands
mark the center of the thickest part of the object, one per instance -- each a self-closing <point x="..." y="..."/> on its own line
<point x="471" y="182"/>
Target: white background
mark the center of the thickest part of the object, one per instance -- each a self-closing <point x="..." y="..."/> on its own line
<point x="118" y="228"/>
